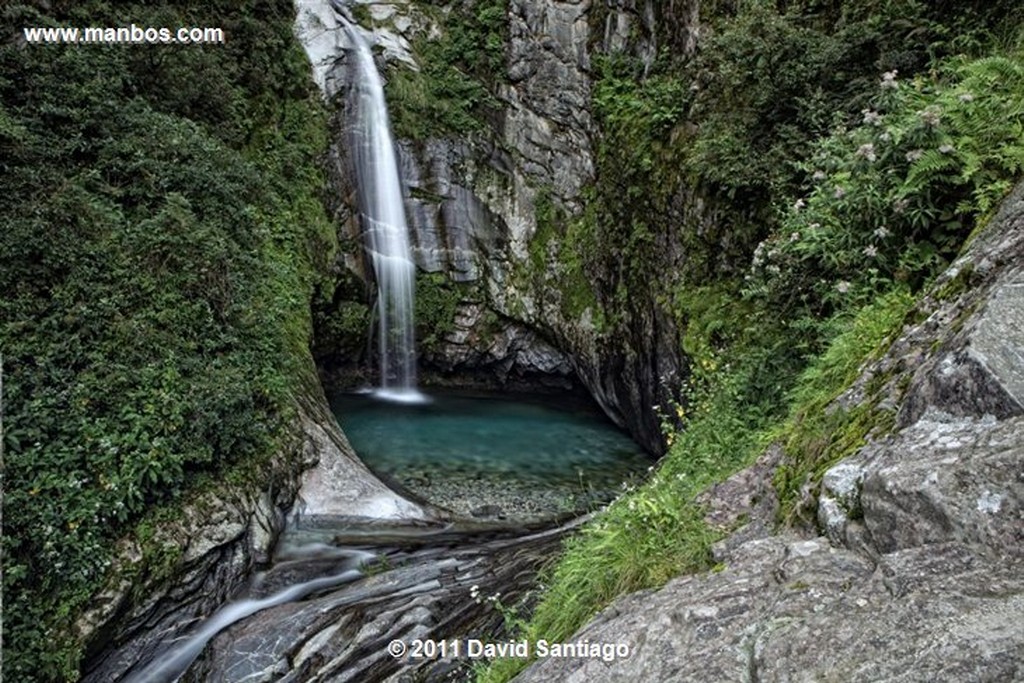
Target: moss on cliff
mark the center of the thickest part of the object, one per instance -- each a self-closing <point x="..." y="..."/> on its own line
<point x="453" y="90"/>
<point x="555" y="262"/>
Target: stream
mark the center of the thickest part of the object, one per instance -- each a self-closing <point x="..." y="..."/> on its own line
<point x="518" y="475"/>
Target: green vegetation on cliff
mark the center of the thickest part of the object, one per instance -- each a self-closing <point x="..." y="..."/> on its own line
<point x="817" y="165"/>
<point x="162" y="231"/>
<point x="453" y="90"/>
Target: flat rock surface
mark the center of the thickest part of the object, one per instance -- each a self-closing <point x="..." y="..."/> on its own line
<point x="799" y="610"/>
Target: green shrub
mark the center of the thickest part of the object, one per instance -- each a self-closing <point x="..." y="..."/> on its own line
<point x="453" y="89"/>
<point x="163" y="226"/>
<point x="892" y="199"/>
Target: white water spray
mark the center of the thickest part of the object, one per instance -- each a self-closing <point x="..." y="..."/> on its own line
<point x="385" y="232"/>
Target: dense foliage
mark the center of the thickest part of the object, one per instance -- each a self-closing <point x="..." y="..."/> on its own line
<point x="893" y="197"/>
<point x="161" y="227"/>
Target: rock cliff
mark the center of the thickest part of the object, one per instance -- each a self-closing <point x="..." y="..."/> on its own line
<point x="489" y="207"/>
<point x="919" y="573"/>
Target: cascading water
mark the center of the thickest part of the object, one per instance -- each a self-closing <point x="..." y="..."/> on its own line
<point x="386" y="236"/>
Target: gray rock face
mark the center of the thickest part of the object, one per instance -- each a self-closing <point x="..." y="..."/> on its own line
<point x="791" y="610"/>
<point x="921" y="573"/>
<point x="981" y="373"/>
<point x="473" y="198"/>
<point x="948" y="479"/>
<point x="512" y="357"/>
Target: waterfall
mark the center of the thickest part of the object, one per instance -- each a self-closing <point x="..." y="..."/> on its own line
<point x="386" y="237"/>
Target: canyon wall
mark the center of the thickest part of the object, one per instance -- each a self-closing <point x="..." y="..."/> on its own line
<point x="489" y="207"/>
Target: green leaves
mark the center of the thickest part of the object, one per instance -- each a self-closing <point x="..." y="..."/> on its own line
<point x="452" y="92"/>
<point x="893" y="198"/>
<point x="162" y="226"/>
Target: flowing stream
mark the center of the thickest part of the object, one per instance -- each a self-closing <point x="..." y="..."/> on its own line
<point x="385" y="232"/>
<point x="173" y="662"/>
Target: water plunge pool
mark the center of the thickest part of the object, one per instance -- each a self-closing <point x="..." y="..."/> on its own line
<point x="493" y="457"/>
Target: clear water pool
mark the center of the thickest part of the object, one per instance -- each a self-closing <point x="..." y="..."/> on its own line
<point x="492" y="456"/>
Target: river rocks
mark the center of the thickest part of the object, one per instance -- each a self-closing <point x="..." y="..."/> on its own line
<point x="446" y="590"/>
<point x="217" y="539"/>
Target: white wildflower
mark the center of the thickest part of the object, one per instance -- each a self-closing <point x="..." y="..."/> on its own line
<point x="889" y="80"/>
<point x="814" y="226"/>
<point x="931" y="116"/>
<point x="966" y="97"/>
<point x="839" y="193"/>
<point x="758" y="255"/>
<point x="870" y="251"/>
<point x="773" y="269"/>
<point x="867" y="151"/>
<point x="946" y="149"/>
<point x="819" y="176"/>
<point x="900" y="205"/>
<point x="842" y="286"/>
<point x="799" y="204"/>
<point x="885" y="137"/>
<point x="871" y="118"/>
<point x="794" y="237"/>
<point x="914" y="154"/>
<point x="881" y="232"/>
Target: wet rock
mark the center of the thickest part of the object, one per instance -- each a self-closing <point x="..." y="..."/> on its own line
<point x="439" y="592"/>
<point x="488" y="511"/>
